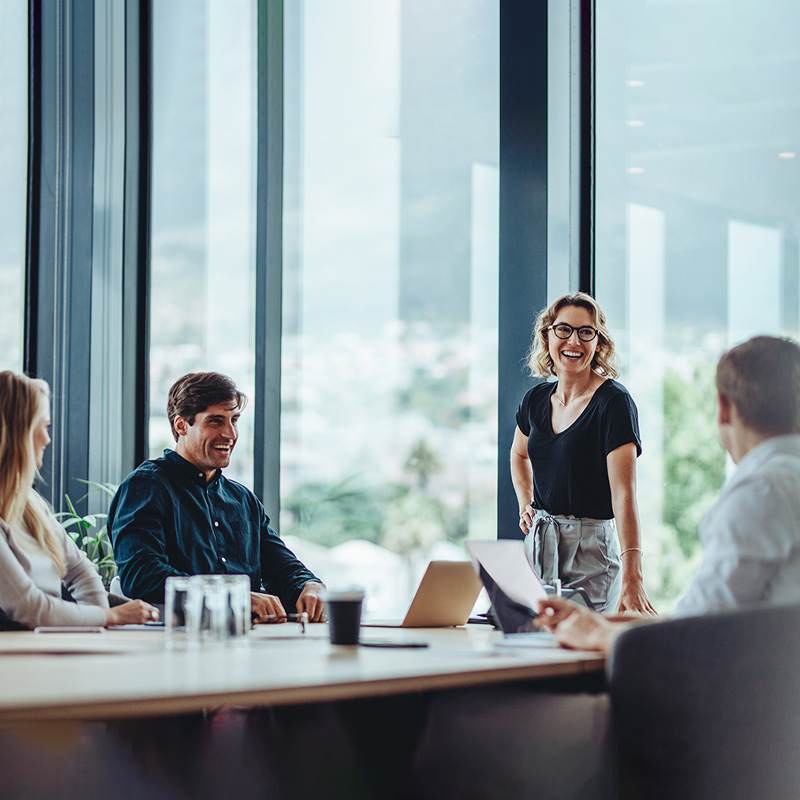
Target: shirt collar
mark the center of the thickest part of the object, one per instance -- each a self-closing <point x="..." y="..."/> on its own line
<point x="762" y="452"/>
<point x="189" y="470"/>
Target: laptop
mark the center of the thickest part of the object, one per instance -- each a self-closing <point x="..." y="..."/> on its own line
<point x="514" y="589"/>
<point x="445" y="596"/>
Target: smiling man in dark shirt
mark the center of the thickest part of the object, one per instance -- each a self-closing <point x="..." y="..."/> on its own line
<point x="179" y="515"/>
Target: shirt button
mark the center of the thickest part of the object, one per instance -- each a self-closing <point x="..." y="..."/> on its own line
<point x="224" y="560"/>
<point x="199" y="474"/>
<point x="216" y="524"/>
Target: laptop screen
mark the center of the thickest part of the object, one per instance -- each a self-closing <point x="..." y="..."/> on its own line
<point x="512" y="617"/>
<point x="510" y="581"/>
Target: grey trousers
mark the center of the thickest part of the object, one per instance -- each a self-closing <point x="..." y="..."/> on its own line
<point x="582" y="552"/>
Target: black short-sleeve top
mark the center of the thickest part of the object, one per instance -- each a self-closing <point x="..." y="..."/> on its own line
<point x="570" y="476"/>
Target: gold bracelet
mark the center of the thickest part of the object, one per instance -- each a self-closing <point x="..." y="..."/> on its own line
<point x="628" y="550"/>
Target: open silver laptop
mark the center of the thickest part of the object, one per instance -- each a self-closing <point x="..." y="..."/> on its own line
<point x="445" y="596"/>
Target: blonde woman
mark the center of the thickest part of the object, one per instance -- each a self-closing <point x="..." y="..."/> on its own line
<point x="573" y="460"/>
<point x="36" y="555"/>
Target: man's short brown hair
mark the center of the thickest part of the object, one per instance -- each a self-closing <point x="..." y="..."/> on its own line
<point x="761" y="377"/>
<point x="194" y="393"/>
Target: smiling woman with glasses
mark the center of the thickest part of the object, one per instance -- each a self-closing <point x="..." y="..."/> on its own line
<point x="573" y="461"/>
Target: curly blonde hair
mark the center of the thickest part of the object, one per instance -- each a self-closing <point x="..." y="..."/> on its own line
<point x="539" y="361"/>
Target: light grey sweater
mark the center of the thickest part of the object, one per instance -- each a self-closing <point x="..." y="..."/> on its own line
<point x="30" y="587"/>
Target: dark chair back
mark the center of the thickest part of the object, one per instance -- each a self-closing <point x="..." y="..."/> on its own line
<point x="709" y="707"/>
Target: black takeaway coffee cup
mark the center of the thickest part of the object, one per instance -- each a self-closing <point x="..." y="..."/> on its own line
<point x="343" y="608"/>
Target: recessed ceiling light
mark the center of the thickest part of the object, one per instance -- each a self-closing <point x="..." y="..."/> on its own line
<point x="634" y="83"/>
<point x="635" y="170"/>
<point x="635" y="123"/>
<point x="786" y="155"/>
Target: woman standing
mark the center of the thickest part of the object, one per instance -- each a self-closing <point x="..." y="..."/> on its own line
<point x="573" y="461"/>
<point x="36" y="555"/>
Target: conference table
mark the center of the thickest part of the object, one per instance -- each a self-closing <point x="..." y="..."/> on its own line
<point x="286" y="714"/>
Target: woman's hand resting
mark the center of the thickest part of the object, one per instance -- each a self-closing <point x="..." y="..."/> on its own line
<point x="132" y="613"/>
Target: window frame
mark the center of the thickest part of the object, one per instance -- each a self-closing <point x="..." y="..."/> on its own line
<point x="59" y="257"/>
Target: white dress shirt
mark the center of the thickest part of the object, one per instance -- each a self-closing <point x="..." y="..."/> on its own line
<point x="751" y="535"/>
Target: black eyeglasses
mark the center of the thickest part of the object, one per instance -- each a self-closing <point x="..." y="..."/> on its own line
<point x="585" y="333"/>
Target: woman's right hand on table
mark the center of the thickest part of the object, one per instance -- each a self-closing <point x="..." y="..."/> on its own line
<point x="136" y="612"/>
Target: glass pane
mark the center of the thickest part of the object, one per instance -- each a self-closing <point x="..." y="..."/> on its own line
<point x="698" y="201"/>
<point x="13" y="177"/>
<point x="389" y="370"/>
<point x="203" y="219"/>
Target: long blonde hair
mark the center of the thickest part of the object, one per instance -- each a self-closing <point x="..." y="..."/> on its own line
<point x="23" y="402"/>
<point x="605" y="357"/>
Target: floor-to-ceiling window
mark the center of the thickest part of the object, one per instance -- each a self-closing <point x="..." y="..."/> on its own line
<point x="389" y="364"/>
<point x="698" y="224"/>
<point x="202" y="313"/>
<point x="389" y="339"/>
<point x="13" y="177"/>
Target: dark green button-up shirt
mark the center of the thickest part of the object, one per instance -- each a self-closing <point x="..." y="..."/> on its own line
<point x="166" y="520"/>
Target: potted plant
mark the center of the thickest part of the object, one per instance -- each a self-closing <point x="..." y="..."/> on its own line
<point x="90" y="533"/>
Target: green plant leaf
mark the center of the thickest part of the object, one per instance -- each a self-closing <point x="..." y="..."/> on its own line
<point x="71" y="520"/>
<point x="107" y="488"/>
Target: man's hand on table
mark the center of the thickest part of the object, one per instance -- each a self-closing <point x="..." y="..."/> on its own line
<point x="266" y="608"/>
<point x="310" y="601"/>
<point x="577" y="627"/>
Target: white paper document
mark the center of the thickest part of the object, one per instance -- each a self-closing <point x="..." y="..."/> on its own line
<point x="507" y="563"/>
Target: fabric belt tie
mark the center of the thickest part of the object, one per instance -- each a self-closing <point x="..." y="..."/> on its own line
<point x="545" y="547"/>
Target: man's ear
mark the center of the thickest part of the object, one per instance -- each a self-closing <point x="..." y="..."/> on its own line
<point x="181" y="425"/>
<point x="724" y="410"/>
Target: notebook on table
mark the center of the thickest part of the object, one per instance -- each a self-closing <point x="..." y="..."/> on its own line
<point x="445" y="596"/>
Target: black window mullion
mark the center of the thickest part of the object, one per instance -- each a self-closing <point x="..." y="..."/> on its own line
<point x="269" y="254"/>
<point x="59" y="239"/>
<point x="136" y="256"/>
<point x="523" y="220"/>
<point x="586" y="92"/>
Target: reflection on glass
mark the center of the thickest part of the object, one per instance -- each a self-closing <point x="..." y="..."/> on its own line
<point x="203" y="218"/>
<point x="389" y="367"/>
<point x="696" y="234"/>
<point x="13" y="189"/>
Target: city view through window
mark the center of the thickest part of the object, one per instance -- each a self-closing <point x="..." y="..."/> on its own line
<point x="698" y="202"/>
<point x="388" y="426"/>
<point x="389" y="366"/>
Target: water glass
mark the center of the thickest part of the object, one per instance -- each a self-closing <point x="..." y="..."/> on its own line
<point x="236" y="610"/>
<point x="206" y="609"/>
<point x="177" y="611"/>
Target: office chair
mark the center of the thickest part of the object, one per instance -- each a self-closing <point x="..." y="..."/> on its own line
<point x="708" y="707"/>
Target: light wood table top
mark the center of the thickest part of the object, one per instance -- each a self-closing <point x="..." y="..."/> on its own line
<point x="122" y="674"/>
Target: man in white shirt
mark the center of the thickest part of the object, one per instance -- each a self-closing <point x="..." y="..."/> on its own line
<point x="751" y="535"/>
